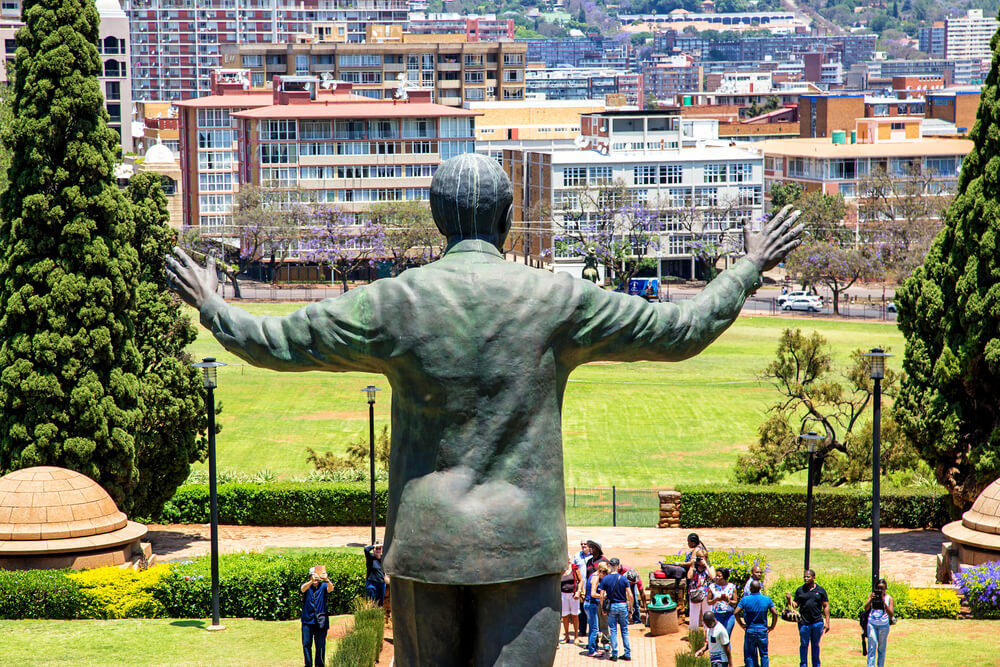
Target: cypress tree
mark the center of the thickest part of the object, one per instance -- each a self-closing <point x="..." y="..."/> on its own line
<point x="68" y="272"/>
<point x="949" y="313"/>
<point x="169" y="435"/>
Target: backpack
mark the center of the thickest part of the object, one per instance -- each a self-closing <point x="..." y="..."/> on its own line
<point x="863" y="620"/>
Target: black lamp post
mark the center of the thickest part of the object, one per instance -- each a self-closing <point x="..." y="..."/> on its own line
<point x="208" y="367"/>
<point x="370" y="390"/>
<point x="877" y="358"/>
<point x="812" y="439"/>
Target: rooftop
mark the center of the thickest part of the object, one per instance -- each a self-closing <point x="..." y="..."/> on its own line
<point x="825" y="148"/>
<point x="353" y="108"/>
<point x="720" y="150"/>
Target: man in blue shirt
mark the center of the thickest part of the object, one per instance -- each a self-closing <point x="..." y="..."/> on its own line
<point x="755" y="607"/>
<point x="615" y="587"/>
<point x="315" y="619"/>
<point x="375" y="576"/>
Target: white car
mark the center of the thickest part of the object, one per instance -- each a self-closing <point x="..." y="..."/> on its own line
<point x="796" y="295"/>
<point x="811" y="304"/>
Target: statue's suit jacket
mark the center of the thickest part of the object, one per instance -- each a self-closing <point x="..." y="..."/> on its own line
<point x="478" y="350"/>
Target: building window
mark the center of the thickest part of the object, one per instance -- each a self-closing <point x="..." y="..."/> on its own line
<point x="208" y="160"/>
<point x="454" y="128"/>
<point x="315" y="129"/>
<point x="600" y="175"/>
<point x="418" y="128"/>
<point x="420" y="170"/>
<point x="278" y="154"/>
<point x="670" y="173"/>
<point x="645" y="174"/>
<point x="277" y="130"/>
<point x="574" y="176"/>
<point x="475" y="76"/>
<point x="383" y="129"/>
<point x="215" y="203"/>
<point x="168" y="185"/>
<point x="715" y="173"/>
<point x="740" y="172"/>
<point x="279" y="177"/>
<point x="112" y="90"/>
<point x="216" y="182"/>
<point x="749" y="195"/>
<point x="316" y="172"/>
<point x="114" y="113"/>
<point x="349" y="129"/>
<point x="706" y="196"/>
<point x="213" y="118"/>
<point x="513" y="76"/>
<point x="215" y="138"/>
<point x="253" y="61"/>
<point x="361" y="60"/>
<point x="421" y="147"/>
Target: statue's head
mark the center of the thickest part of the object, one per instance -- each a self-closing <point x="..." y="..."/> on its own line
<point x="471" y="197"/>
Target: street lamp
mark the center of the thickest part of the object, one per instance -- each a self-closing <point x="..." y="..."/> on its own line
<point x="370" y="390"/>
<point x="209" y="367"/>
<point x="876" y="358"/>
<point x="812" y="440"/>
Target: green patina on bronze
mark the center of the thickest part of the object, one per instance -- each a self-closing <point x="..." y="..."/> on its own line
<point x="478" y="351"/>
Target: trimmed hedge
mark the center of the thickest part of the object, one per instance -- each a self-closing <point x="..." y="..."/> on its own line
<point x="260" y="586"/>
<point x="280" y="504"/>
<point x="362" y="645"/>
<point x="785" y="506"/>
<point x="252" y="585"/>
<point x="39" y="594"/>
<point x="930" y="603"/>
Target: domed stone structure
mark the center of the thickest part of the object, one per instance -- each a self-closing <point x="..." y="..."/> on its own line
<point x="976" y="538"/>
<point x="54" y="518"/>
<point x="159" y="154"/>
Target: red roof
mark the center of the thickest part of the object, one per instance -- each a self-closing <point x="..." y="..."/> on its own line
<point x="243" y="99"/>
<point x="371" y="109"/>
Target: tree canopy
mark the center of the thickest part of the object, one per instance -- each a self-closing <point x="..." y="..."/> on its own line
<point x="949" y="313"/>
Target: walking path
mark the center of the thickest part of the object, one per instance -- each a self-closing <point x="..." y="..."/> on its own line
<point x="643" y="651"/>
<point x="908" y="554"/>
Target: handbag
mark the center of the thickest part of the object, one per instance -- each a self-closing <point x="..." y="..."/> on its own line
<point x="606" y="604"/>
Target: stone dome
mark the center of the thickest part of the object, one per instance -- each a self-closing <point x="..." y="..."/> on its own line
<point x="159" y="154"/>
<point x="46" y="511"/>
<point x="977" y="535"/>
<point x="984" y="515"/>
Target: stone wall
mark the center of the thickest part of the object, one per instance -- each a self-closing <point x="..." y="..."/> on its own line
<point x="670" y="509"/>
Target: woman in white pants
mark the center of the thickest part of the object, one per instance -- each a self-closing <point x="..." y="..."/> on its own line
<point x="700" y="574"/>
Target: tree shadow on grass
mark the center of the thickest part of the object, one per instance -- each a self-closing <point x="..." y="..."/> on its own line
<point x="189" y="623"/>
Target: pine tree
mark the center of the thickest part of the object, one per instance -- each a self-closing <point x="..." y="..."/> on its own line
<point x="949" y="312"/>
<point x="169" y="435"/>
<point x="68" y="272"/>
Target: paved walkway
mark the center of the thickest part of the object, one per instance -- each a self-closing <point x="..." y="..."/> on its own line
<point x="643" y="652"/>
<point x="908" y="554"/>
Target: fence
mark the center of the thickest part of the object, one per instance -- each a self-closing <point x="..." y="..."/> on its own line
<point x="614" y="506"/>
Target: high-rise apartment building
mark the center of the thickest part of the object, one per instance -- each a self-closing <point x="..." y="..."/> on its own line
<point x="176" y="43"/>
<point x="113" y="47"/>
<point x="583" y="83"/>
<point x="931" y="39"/>
<point x="319" y="144"/>
<point x="453" y="72"/>
<point x="969" y="36"/>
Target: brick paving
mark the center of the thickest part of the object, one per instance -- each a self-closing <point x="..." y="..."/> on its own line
<point x="643" y="652"/>
<point x="908" y="554"/>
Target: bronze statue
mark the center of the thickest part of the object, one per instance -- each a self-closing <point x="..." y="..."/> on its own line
<point x="590" y="266"/>
<point x="478" y="351"/>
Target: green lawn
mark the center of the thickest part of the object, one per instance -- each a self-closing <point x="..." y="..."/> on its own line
<point x="174" y="642"/>
<point x="179" y="643"/>
<point x="633" y="425"/>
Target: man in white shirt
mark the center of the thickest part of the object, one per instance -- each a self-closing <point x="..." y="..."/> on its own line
<point x="716" y="642"/>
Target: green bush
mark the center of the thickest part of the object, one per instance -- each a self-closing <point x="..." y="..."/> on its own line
<point x="361" y="646"/>
<point x="113" y="592"/>
<point x="696" y="639"/>
<point x="280" y="504"/>
<point x="684" y="659"/>
<point x="847" y="593"/>
<point x="260" y="586"/>
<point x="785" y="506"/>
<point x="930" y="603"/>
<point x="39" y="594"/>
<point x="739" y="563"/>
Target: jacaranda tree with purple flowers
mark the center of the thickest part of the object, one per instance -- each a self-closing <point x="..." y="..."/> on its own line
<point x="343" y="241"/>
<point x="838" y="267"/>
<point x="607" y="221"/>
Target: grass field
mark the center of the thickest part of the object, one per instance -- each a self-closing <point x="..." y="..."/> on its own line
<point x="185" y="643"/>
<point x="633" y="425"/>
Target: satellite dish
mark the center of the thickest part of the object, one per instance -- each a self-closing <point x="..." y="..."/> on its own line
<point x="401" y="87"/>
<point x="581" y="141"/>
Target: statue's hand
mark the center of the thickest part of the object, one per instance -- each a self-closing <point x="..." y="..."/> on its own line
<point x="192" y="282"/>
<point x="779" y="237"/>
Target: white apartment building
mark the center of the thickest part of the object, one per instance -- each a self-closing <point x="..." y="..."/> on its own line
<point x="969" y="36"/>
<point x="698" y="190"/>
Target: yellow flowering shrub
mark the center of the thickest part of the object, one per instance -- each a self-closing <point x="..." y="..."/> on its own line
<point x="113" y="592"/>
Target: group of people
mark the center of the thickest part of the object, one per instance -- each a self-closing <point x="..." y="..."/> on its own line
<point x="600" y="598"/>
